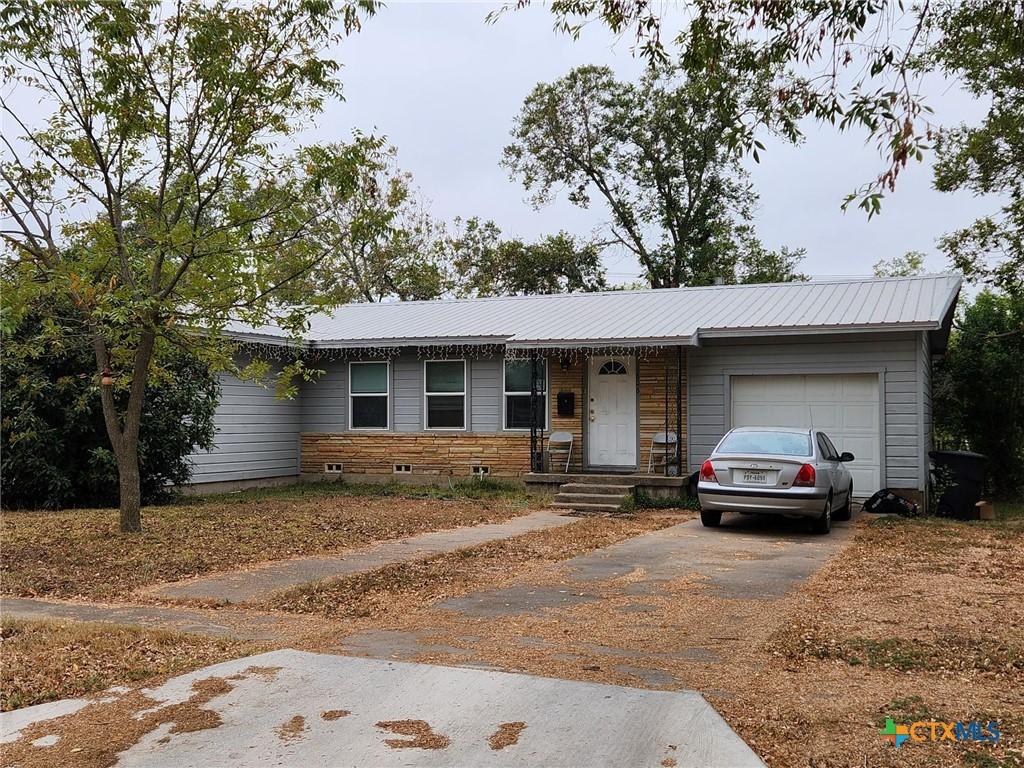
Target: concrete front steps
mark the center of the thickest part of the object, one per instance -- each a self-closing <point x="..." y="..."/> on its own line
<point x="594" y="494"/>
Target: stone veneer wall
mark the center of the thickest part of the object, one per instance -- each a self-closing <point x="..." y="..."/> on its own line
<point x="505" y="454"/>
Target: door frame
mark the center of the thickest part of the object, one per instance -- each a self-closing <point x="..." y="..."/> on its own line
<point x="587" y="432"/>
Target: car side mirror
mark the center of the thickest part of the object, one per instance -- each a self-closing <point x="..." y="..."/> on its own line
<point x="846" y="456"/>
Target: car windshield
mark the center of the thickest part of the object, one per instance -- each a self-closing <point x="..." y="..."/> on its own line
<point x="771" y="443"/>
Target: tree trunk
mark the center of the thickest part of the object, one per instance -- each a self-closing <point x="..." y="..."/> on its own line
<point x="130" y="487"/>
<point x="124" y="434"/>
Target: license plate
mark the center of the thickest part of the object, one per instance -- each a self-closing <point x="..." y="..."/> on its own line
<point x="755" y="478"/>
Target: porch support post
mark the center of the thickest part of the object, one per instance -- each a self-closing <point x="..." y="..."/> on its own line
<point x="536" y="458"/>
<point x="679" y="412"/>
<point x="664" y="449"/>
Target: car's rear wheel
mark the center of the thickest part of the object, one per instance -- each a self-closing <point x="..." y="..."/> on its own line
<point x="710" y="519"/>
<point x="823" y="524"/>
<point x="846" y="511"/>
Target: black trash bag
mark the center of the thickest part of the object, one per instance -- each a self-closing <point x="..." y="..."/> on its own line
<point x="691" y="485"/>
<point x="885" y="502"/>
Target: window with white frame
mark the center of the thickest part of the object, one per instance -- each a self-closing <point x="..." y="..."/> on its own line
<point x="517" y="394"/>
<point x="368" y="390"/>
<point x="444" y="394"/>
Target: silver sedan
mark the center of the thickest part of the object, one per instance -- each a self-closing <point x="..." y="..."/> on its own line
<point x="776" y="471"/>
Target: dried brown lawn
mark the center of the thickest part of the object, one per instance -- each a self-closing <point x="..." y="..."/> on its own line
<point x="80" y="553"/>
<point x="45" y="661"/>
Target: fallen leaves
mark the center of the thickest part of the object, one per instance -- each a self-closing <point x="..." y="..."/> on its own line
<point x="506" y="735"/>
<point x="79" y="553"/>
<point x="334" y="714"/>
<point x="44" y="661"/>
<point x="401" y="587"/>
<point x="291" y="729"/>
<point x="423" y="736"/>
<point x="94" y="736"/>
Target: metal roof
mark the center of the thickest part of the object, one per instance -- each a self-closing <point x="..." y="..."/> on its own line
<point x="680" y="316"/>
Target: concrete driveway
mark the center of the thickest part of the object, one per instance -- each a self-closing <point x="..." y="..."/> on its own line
<point x="291" y="708"/>
<point x="677" y="610"/>
<point x="742" y="566"/>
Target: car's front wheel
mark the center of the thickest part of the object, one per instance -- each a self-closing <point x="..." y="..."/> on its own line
<point x="823" y="524"/>
<point x="710" y="519"/>
<point x="846" y="511"/>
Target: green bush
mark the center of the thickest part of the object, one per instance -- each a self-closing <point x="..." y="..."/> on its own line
<point x="645" y="501"/>
<point x="55" y="450"/>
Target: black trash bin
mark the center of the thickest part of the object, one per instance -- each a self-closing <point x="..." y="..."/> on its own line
<point x="965" y="473"/>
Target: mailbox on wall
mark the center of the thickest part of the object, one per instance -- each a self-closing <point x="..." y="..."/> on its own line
<point x="566" y="404"/>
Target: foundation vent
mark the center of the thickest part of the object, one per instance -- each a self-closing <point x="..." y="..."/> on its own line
<point x="403" y="469"/>
<point x="333" y="469"/>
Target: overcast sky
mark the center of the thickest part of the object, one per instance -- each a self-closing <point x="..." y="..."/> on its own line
<point x="444" y="86"/>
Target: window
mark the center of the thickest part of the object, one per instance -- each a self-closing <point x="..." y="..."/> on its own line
<point x="766" y="443"/>
<point x="368" y="387"/>
<point x="612" y="368"/>
<point x="828" y="451"/>
<point x="517" y="394"/>
<point x="444" y="389"/>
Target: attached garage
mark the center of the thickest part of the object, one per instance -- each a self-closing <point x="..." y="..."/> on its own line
<point x="870" y="392"/>
<point x="844" y="406"/>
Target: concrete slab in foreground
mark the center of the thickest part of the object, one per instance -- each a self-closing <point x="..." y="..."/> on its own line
<point x="399" y="714"/>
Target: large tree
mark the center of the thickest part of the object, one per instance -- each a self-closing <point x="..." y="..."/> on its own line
<point x="981" y="44"/>
<point x="385" y="242"/>
<point x="150" y="195"/>
<point x="486" y="264"/>
<point x="910" y="263"/>
<point x="659" y="155"/>
<point x="979" y="388"/>
<point x="850" y="64"/>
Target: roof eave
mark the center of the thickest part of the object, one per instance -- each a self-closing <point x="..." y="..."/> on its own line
<point x="816" y="330"/>
<point x="670" y="341"/>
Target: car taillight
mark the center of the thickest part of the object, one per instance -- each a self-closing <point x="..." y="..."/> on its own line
<point x="805" y="475"/>
<point x="707" y="473"/>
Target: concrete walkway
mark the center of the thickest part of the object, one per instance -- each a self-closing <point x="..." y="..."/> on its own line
<point x="293" y="708"/>
<point x="256" y="583"/>
<point x="238" y="624"/>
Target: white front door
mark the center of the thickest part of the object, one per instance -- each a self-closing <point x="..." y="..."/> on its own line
<point x="845" y="406"/>
<point x="611" y="438"/>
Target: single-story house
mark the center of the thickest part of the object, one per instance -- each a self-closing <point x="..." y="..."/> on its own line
<point x="434" y="389"/>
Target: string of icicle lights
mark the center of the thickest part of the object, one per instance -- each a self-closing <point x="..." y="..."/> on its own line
<point x="571" y="355"/>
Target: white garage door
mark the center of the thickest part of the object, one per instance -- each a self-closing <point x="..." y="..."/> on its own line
<point x="843" y="406"/>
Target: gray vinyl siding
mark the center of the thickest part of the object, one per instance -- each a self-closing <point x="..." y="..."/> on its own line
<point x="325" y="399"/>
<point x="894" y="356"/>
<point x="257" y="434"/>
<point x="486" y="390"/>
<point x="407" y="378"/>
